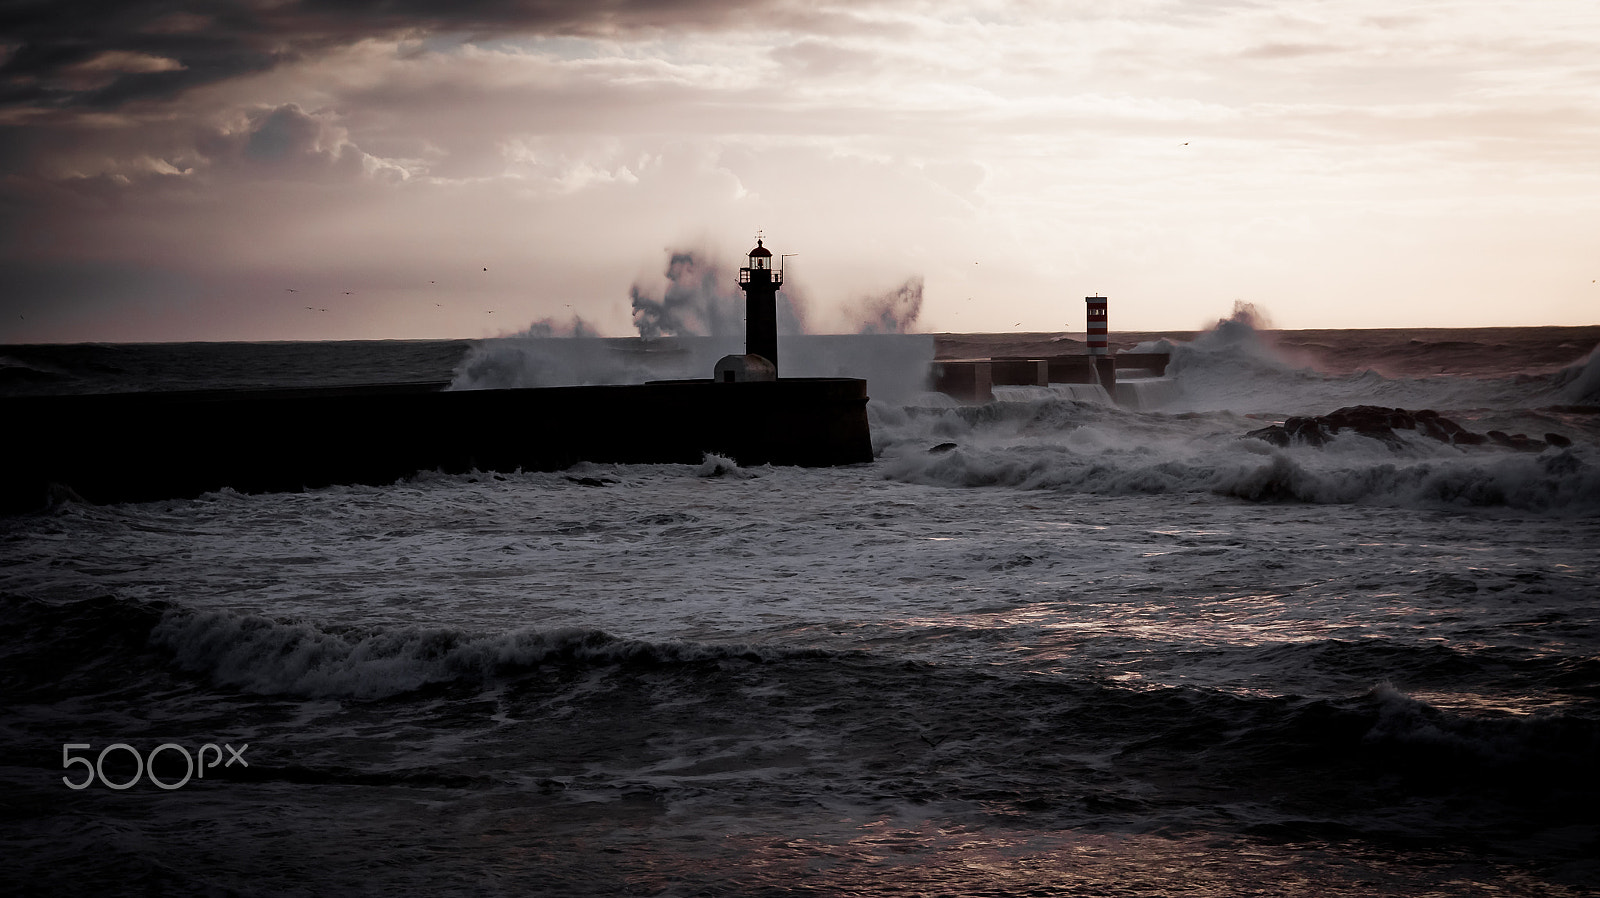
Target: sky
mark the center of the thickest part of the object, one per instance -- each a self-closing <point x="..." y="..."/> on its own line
<point x="178" y="170"/>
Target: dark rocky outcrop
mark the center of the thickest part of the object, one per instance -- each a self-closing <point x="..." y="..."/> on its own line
<point x="1382" y="423"/>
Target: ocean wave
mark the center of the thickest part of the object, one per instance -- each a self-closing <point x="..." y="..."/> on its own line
<point x="271" y="657"/>
<point x="111" y="644"/>
<point x="66" y="648"/>
<point x="1429" y="740"/>
<point x="20" y="374"/>
<point x="1579" y="382"/>
<point x="1093" y="453"/>
<point x="1237" y="366"/>
<point x="1553" y="481"/>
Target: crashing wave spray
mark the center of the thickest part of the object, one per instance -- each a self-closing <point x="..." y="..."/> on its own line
<point x="549" y="352"/>
<point x="894" y="312"/>
<point x="698" y="301"/>
<point x="701" y="299"/>
<point x="697" y="317"/>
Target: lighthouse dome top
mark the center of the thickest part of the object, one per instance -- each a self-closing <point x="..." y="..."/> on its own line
<point x="760" y="250"/>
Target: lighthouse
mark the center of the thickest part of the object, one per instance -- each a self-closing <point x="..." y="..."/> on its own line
<point x="1105" y="367"/>
<point x="1097" y="324"/>
<point x="760" y="283"/>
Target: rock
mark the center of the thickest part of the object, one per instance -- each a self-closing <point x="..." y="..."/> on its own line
<point x="1380" y="424"/>
<point x="1518" y="441"/>
<point x="1557" y="440"/>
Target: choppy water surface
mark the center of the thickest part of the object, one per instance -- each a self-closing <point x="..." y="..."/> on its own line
<point x="1084" y="650"/>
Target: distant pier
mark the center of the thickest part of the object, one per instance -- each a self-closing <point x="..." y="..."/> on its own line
<point x="974" y="380"/>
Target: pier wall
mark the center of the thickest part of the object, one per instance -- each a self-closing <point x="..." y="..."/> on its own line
<point x="143" y="446"/>
<point x="974" y="380"/>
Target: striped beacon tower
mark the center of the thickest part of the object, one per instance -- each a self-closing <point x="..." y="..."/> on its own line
<point x="1105" y="367"/>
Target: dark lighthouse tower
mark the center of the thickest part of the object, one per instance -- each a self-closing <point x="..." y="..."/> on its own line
<point x="760" y="283"/>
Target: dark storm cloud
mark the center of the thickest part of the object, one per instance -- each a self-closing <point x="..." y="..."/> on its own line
<point x="105" y="53"/>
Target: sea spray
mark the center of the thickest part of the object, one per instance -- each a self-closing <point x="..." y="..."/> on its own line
<point x="892" y="312"/>
<point x="695" y="318"/>
<point x="701" y="298"/>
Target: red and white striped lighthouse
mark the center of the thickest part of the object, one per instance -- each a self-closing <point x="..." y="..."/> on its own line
<point x="1105" y="367"/>
<point x="1097" y="324"/>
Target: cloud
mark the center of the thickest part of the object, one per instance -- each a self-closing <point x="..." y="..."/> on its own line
<point x="105" y="53"/>
<point x="286" y="142"/>
<point x="1148" y="147"/>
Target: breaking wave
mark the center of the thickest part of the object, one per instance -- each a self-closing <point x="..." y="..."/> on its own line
<point x="1239" y="366"/>
<point x="260" y="655"/>
<point x="1084" y="447"/>
<point x="1580" y="382"/>
<point x="104" y="643"/>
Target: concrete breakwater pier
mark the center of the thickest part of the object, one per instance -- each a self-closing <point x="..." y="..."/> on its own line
<point x="129" y="447"/>
<point x="975" y="379"/>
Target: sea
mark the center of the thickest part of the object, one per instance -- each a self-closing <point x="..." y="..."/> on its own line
<point x="1041" y="645"/>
